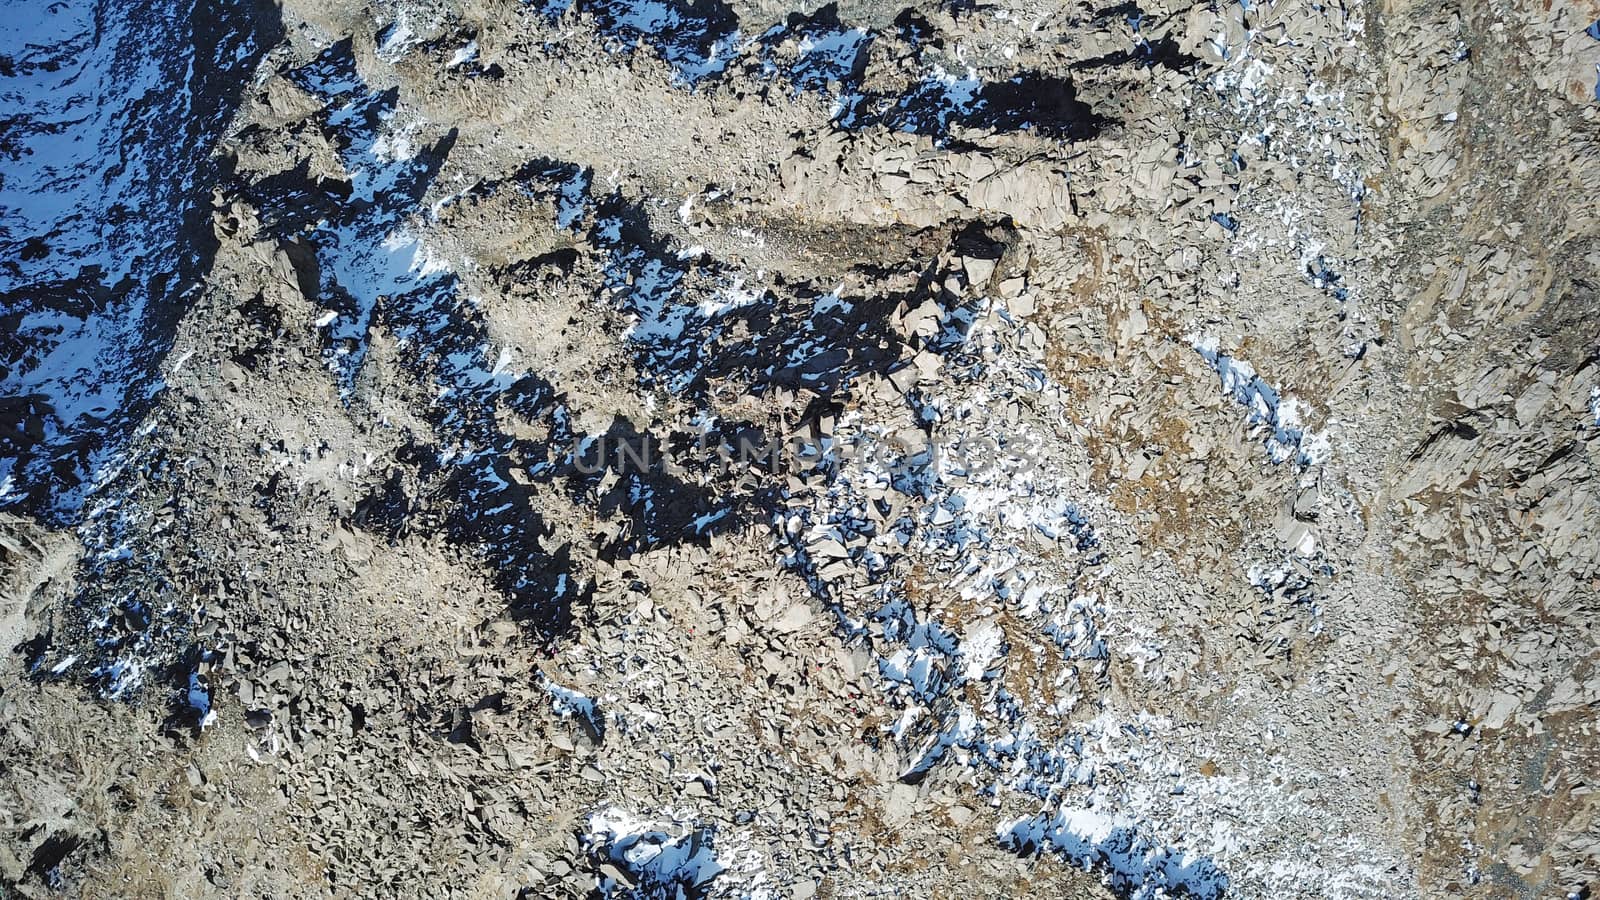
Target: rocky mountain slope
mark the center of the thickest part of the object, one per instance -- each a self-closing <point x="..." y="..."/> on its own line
<point x="648" y="448"/>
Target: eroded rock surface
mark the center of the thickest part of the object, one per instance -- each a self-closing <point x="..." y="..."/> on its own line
<point x="723" y="449"/>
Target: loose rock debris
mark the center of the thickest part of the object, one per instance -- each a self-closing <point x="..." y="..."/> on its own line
<point x="718" y="449"/>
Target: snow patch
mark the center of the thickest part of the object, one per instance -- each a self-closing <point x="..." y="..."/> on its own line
<point x="657" y="862"/>
<point x="1287" y="438"/>
<point x="1135" y="866"/>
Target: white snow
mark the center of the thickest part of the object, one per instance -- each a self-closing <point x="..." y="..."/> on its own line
<point x="1099" y="841"/>
<point x="1286" y="437"/>
<point x="1117" y="793"/>
<point x="658" y="862"/>
<point x="465" y="54"/>
<point x="983" y="644"/>
<point x="568" y="702"/>
<point x="100" y="171"/>
<point x="397" y="38"/>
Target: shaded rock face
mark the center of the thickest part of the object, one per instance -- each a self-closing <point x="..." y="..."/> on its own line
<point x="710" y="448"/>
<point x="109" y="118"/>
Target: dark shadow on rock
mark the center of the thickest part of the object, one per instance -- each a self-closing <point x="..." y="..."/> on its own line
<point x="836" y="58"/>
<point x="54" y="460"/>
<point x="1044" y="105"/>
<point x="45" y="863"/>
<point x="684" y="33"/>
<point x="782" y="341"/>
<point x="1163" y="51"/>
<point x="293" y="199"/>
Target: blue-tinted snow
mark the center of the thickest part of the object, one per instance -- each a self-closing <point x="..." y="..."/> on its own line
<point x="698" y="38"/>
<point x="924" y="662"/>
<point x="690" y="318"/>
<point x="110" y="115"/>
<point x="122" y="605"/>
<point x="377" y="271"/>
<point x="1075" y="630"/>
<point x="197" y="697"/>
<point x="366" y="250"/>
<point x="1139" y="868"/>
<point x="829" y="55"/>
<point x="1291" y="595"/>
<point x="465" y="54"/>
<point x="397" y="37"/>
<point x="928" y="107"/>
<point x="701" y="40"/>
<point x="967" y="524"/>
<point x="1286" y="437"/>
<point x="659" y="864"/>
<point x="1325" y="278"/>
<point x="568" y="702"/>
<point x="1044" y="105"/>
